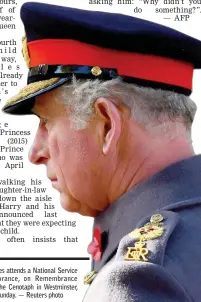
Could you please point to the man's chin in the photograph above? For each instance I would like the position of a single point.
(67, 203)
(70, 204)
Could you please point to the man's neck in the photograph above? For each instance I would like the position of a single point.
(148, 161)
(162, 157)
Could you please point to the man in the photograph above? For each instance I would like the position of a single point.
(112, 95)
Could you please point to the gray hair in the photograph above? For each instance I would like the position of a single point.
(148, 106)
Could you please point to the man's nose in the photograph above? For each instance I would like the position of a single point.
(39, 152)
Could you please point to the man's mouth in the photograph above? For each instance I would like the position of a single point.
(55, 183)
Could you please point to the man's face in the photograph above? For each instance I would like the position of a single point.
(74, 160)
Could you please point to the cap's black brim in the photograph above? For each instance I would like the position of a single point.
(24, 106)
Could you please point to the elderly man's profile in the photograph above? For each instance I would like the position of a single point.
(112, 95)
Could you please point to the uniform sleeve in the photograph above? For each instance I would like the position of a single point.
(135, 282)
(144, 282)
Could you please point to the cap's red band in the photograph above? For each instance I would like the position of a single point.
(137, 65)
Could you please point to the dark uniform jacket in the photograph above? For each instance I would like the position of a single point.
(165, 265)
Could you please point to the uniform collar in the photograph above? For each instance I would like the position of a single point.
(178, 182)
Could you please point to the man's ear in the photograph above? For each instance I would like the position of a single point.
(109, 123)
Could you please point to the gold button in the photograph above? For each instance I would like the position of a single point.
(156, 218)
(96, 71)
(89, 277)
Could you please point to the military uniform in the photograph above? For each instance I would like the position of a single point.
(146, 245)
(169, 267)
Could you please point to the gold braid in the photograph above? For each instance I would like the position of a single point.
(25, 50)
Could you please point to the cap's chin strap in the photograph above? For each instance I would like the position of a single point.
(45, 72)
